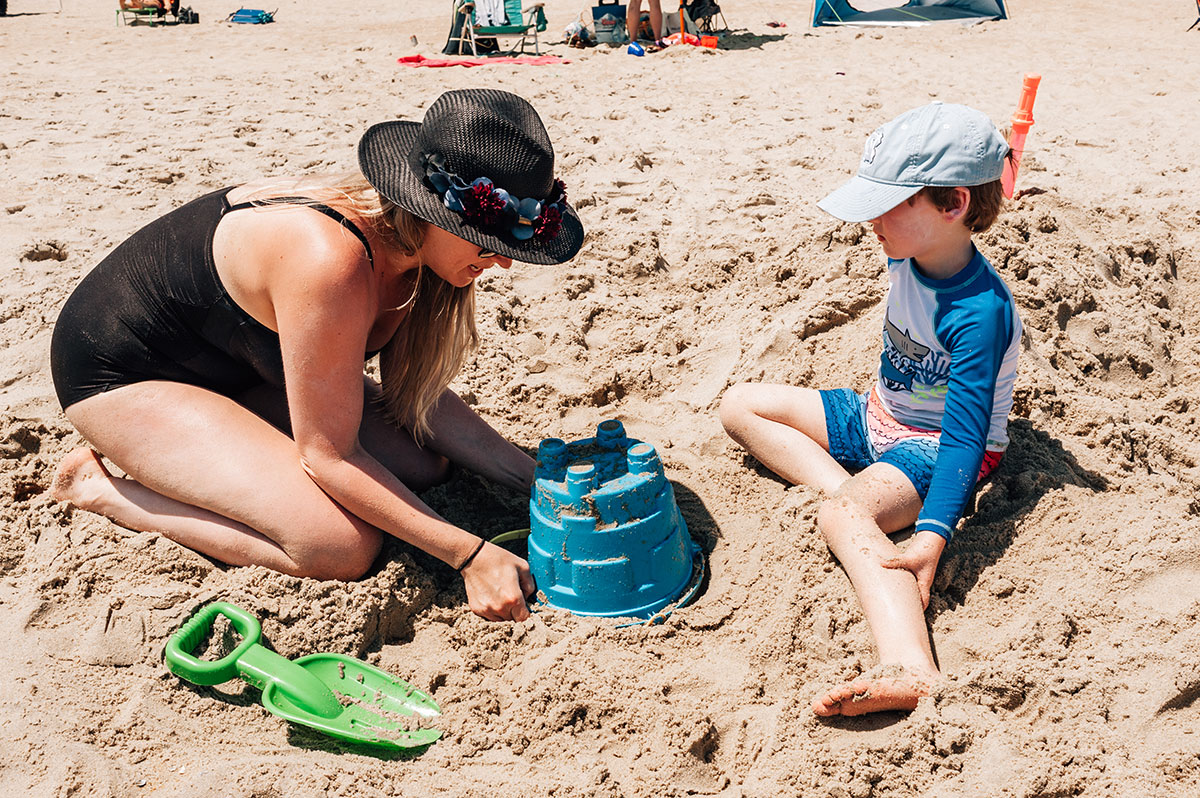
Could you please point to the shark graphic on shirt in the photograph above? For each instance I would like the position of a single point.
(901, 356)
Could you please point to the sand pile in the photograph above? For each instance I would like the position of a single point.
(1065, 614)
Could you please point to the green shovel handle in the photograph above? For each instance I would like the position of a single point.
(179, 648)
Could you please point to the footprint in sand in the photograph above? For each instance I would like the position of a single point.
(45, 250)
(1167, 593)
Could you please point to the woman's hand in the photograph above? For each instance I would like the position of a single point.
(921, 559)
(498, 582)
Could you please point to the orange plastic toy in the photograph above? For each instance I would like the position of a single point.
(1022, 120)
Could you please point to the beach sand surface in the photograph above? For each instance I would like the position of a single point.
(1065, 614)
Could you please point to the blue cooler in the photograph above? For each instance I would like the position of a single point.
(608, 18)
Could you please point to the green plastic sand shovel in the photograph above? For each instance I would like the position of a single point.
(340, 696)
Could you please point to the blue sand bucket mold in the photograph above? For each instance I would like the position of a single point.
(606, 537)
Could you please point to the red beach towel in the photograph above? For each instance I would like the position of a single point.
(422, 61)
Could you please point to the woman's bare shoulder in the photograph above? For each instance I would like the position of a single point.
(289, 253)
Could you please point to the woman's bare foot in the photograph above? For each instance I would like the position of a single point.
(890, 687)
(80, 478)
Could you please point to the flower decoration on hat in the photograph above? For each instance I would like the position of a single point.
(482, 203)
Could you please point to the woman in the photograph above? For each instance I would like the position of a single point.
(191, 352)
(161, 5)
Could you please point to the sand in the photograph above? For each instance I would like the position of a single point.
(1065, 614)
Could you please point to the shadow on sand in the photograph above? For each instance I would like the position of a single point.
(745, 40)
(1034, 465)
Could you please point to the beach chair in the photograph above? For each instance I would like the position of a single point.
(459, 40)
(707, 16)
(1197, 22)
(497, 19)
(131, 12)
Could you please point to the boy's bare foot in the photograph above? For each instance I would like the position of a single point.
(891, 687)
(80, 478)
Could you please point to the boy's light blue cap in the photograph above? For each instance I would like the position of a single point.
(934, 145)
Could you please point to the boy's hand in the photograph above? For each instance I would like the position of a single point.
(921, 559)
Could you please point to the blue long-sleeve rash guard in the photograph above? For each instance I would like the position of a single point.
(949, 363)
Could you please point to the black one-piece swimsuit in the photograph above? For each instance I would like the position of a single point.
(155, 309)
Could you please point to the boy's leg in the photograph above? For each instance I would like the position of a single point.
(854, 521)
(784, 427)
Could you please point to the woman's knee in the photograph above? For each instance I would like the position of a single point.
(439, 469)
(342, 556)
(428, 469)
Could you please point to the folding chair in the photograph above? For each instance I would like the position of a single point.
(130, 14)
(498, 19)
(706, 13)
(1197, 22)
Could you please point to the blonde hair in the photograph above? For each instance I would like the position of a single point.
(438, 334)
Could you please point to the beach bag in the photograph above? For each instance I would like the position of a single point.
(608, 19)
(251, 16)
(187, 16)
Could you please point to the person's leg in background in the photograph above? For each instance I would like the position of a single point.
(633, 16)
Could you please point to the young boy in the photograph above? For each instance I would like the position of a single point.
(935, 421)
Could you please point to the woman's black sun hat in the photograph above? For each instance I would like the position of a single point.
(479, 165)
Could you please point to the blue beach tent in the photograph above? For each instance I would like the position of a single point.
(908, 14)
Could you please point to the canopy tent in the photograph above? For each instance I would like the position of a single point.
(909, 14)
